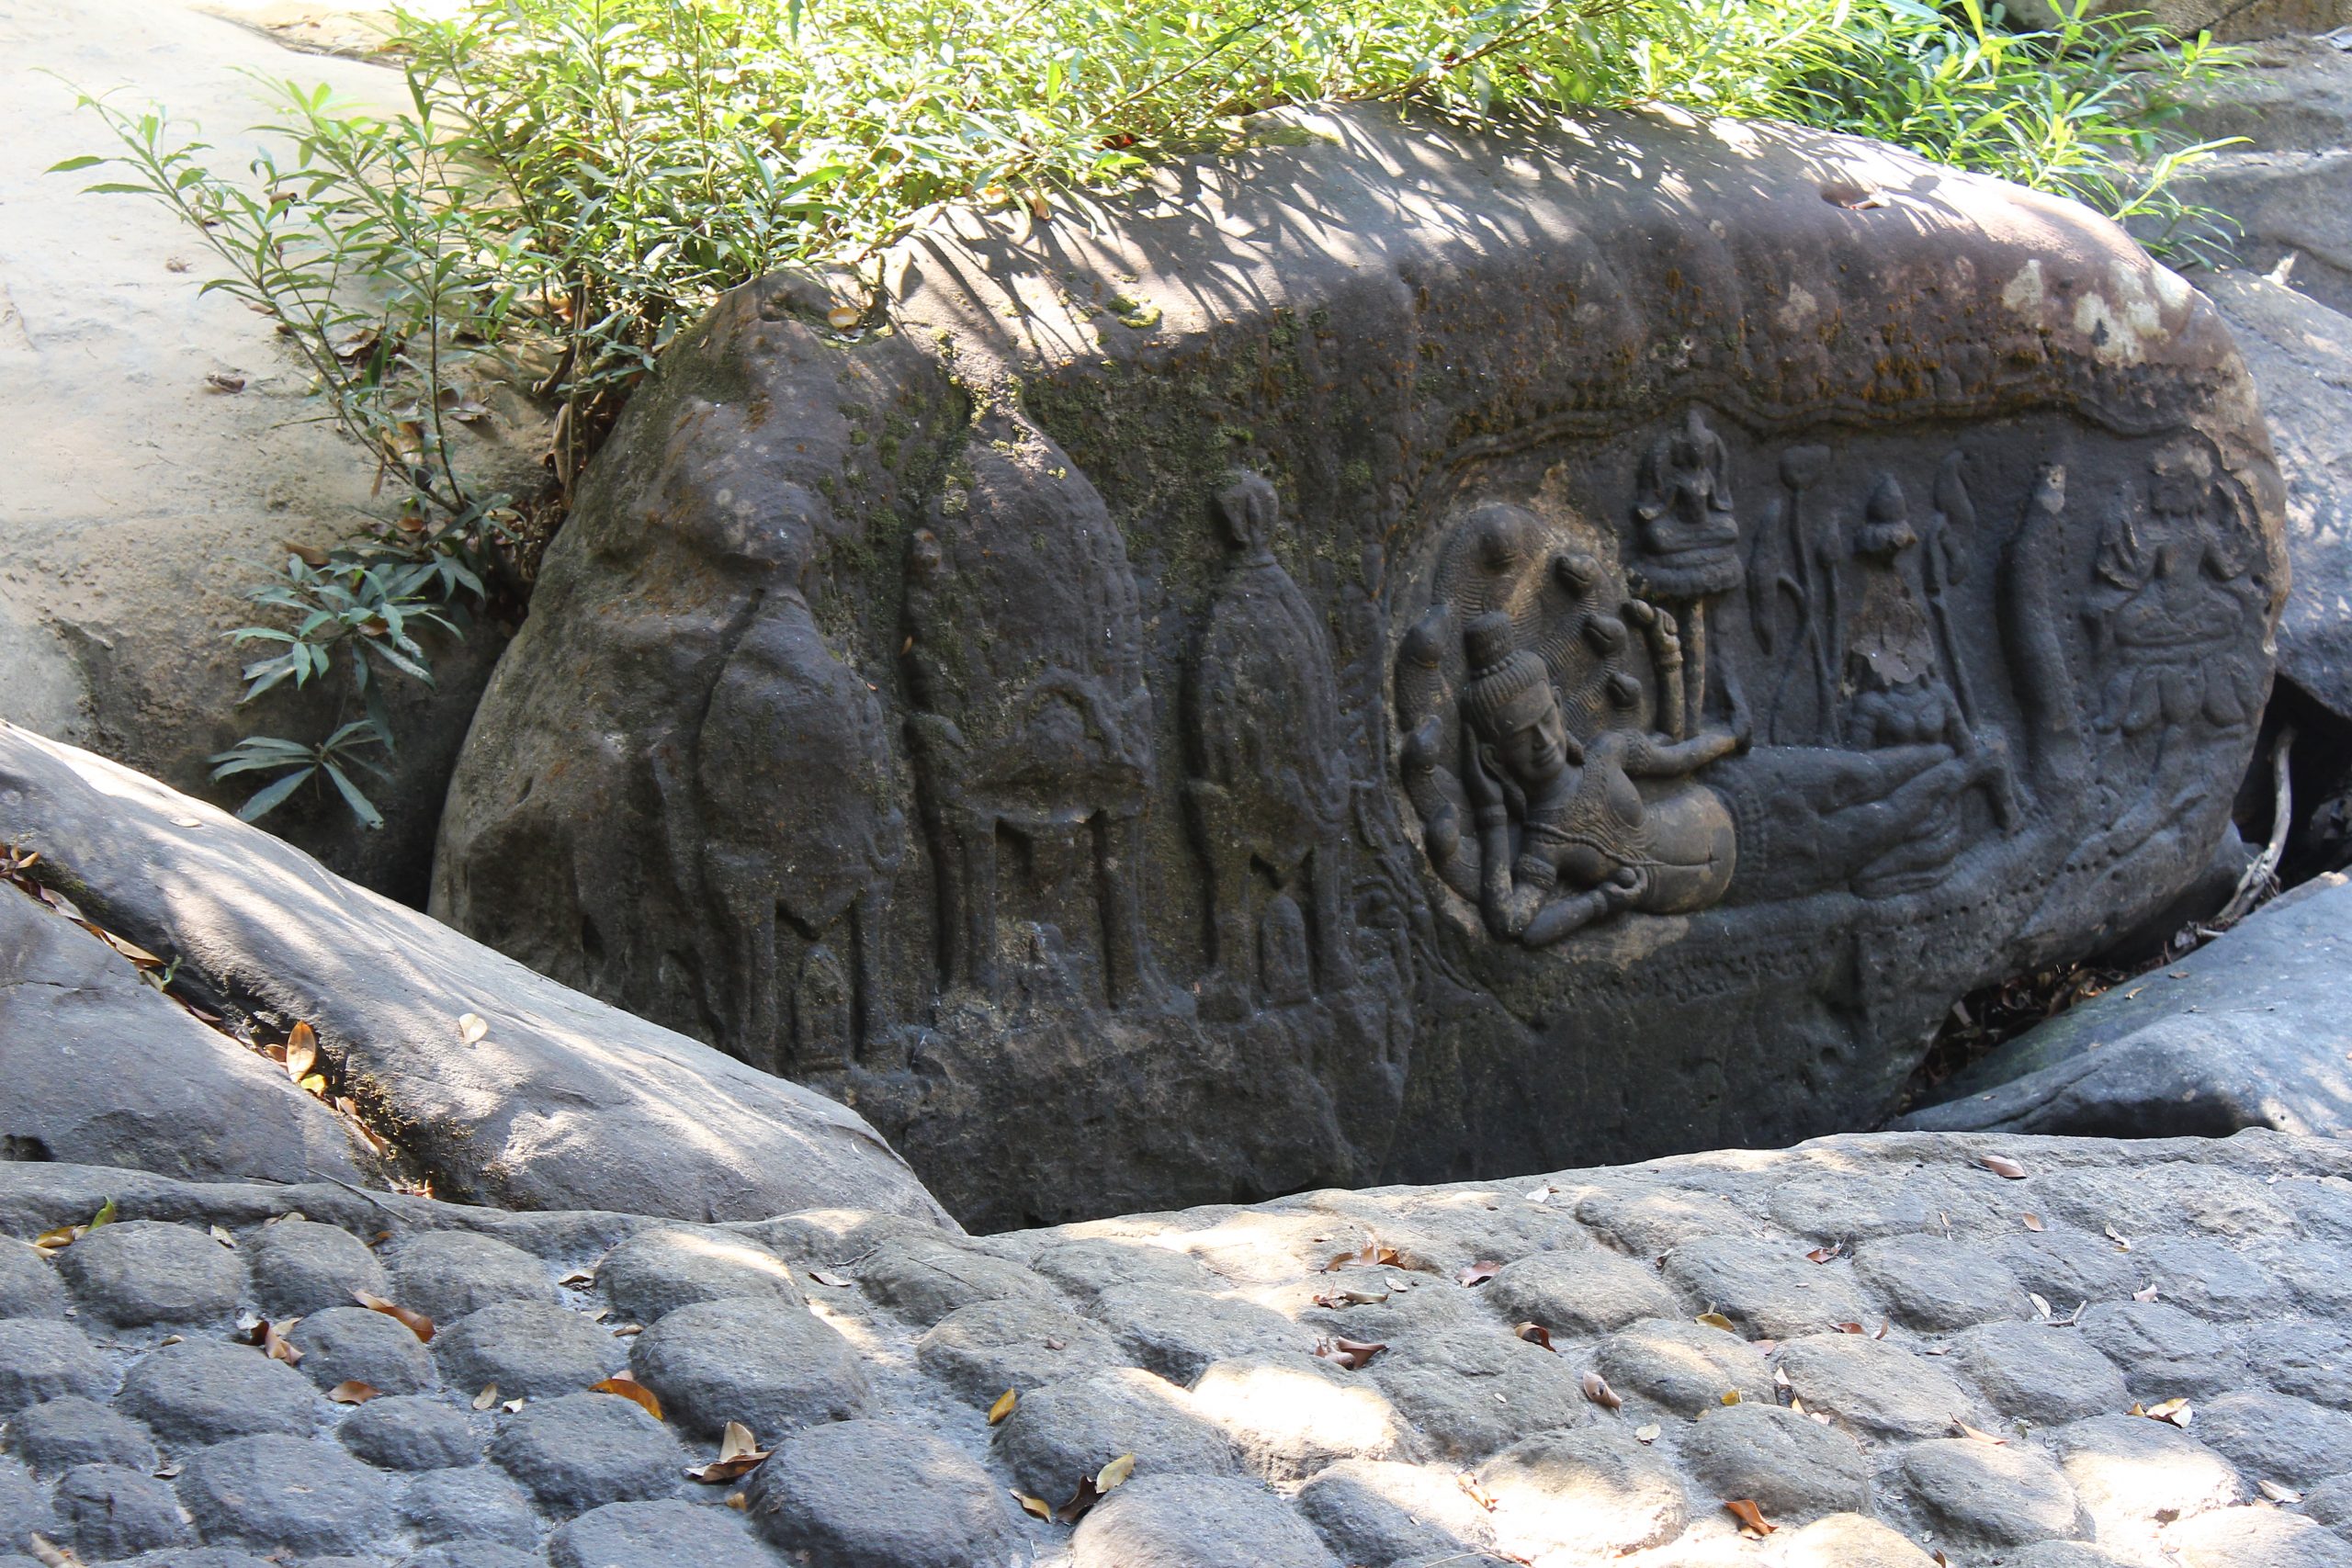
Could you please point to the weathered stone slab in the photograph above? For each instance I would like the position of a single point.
(1432, 653)
(100, 1066)
(565, 1103)
(2250, 1031)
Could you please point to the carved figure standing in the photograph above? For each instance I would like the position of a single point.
(1025, 656)
(1689, 550)
(1269, 790)
(794, 779)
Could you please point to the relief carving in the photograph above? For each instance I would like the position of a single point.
(1269, 789)
(801, 835)
(1031, 722)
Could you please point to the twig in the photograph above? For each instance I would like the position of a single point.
(2259, 875)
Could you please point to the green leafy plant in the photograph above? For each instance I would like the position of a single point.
(578, 179)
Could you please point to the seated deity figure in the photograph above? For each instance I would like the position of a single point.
(1590, 837)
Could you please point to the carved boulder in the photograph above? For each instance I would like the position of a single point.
(1399, 655)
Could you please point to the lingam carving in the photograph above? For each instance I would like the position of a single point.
(1269, 789)
(1568, 794)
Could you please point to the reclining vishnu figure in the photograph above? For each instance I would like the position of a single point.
(1570, 830)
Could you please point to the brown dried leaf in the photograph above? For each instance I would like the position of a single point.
(512, 1406)
(1824, 1253)
(223, 1238)
(1965, 1430)
(1003, 1406)
(725, 1469)
(1847, 1327)
(1647, 1432)
(2175, 1411)
(2123, 1243)
(2033, 1222)
(835, 1280)
(1035, 1507)
(1085, 1498)
(2003, 1166)
(418, 1323)
(1352, 1354)
(58, 1238)
(353, 1392)
(2278, 1494)
(274, 1343)
(1478, 1273)
(1597, 1389)
(1371, 1255)
(1751, 1517)
(1536, 1333)
(841, 318)
(1716, 1320)
(301, 1052)
(1730, 1396)
(221, 381)
(1337, 1299)
(49, 1554)
(486, 1398)
(1472, 1490)
(1883, 1324)
(1113, 1475)
(472, 1029)
(629, 1388)
(739, 1501)
(2148, 1294)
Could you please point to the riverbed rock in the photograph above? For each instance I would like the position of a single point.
(1827, 581)
(2249, 1031)
(102, 1068)
(563, 1102)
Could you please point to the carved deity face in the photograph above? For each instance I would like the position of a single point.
(1534, 751)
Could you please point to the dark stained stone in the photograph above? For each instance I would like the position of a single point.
(476, 1504)
(44, 1358)
(527, 1350)
(301, 1266)
(446, 1274)
(106, 1511)
(1067, 1429)
(61, 1433)
(982, 1349)
(2007, 1496)
(588, 1449)
(868, 1494)
(206, 1392)
(351, 1343)
(624, 1533)
(411, 1434)
(277, 1495)
(1174, 818)
(1587, 1290)
(766, 1362)
(1792, 1467)
(1686, 1367)
(139, 1271)
(2039, 1374)
(1768, 1288)
(1190, 1522)
(28, 1283)
(657, 1271)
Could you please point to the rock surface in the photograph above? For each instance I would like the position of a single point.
(142, 504)
(565, 1103)
(2249, 1031)
(1158, 629)
(2010, 1443)
(101, 1067)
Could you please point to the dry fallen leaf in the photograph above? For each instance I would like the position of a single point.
(301, 1052)
(49, 1554)
(1003, 1406)
(1597, 1389)
(2033, 1222)
(1542, 1194)
(472, 1029)
(2122, 1244)
(2040, 1303)
(1472, 1490)
(1371, 1255)
(1352, 1354)
(1751, 1517)
(2147, 1294)
(1085, 1498)
(1478, 1273)
(739, 1454)
(1965, 1430)
(1716, 1320)
(2004, 1166)
(1037, 1508)
(739, 1501)
(841, 318)
(1824, 1253)
(2278, 1494)
(1114, 1473)
(578, 1280)
(274, 1342)
(1847, 1327)
(1536, 1333)
(418, 1323)
(512, 1406)
(2175, 1411)
(221, 381)
(1337, 1299)
(835, 1280)
(1730, 1396)
(486, 1398)
(353, 1392)
(629, 1388)
(223, 1238)
(1647, 1432)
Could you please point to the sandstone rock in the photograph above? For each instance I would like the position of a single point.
(2039, 1374)
(1135, 852)
(1373, 1510)
(1792, 1468)
(1591, 1291)
(2229, 1538)
(1980, 1490)
(2248, 1030)
(1185, 1521)
(1072, 1428)
(1596, 1490)
(102, 1068)
(1851, 1540)
(1874, 1385)
(1685, 1367)
(527, 1349)
(2134, 1474)
(868, 1494)
(767, 1363)
(566, 1103)
(658, 1271)
(2226, 18)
